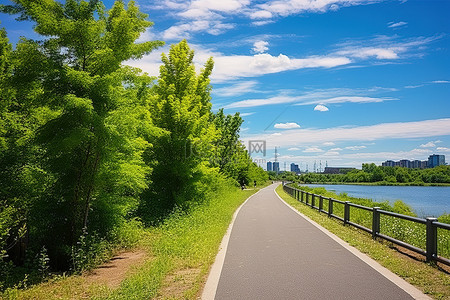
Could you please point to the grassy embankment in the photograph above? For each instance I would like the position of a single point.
(407, 231)
(179, 255)
(424, 276)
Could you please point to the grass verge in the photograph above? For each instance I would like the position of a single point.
(426, 277)
(180, 253)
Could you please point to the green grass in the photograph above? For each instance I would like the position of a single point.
(426, 277)
(180, 254)
(408, 231)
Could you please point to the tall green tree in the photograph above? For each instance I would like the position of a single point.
(181, 108)
(228, 142)
(88, 145)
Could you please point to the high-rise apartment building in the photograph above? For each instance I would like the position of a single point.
(436, 160)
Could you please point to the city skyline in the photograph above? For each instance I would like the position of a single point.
(347, 82)
(432, 161)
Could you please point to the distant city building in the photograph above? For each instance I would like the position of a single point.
(433, 161)
(337, 170)
(404, 163)
(388, 163)
(276, 166)
(436, 160)
(295, 168)
(269, 166)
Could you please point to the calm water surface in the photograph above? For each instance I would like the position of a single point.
(425, 200)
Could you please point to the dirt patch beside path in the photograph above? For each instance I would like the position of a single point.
(114, 271)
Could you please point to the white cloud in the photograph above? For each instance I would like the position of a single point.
(290, 7)
(329, 144)
(428, 145)
(443, 149)
(286, 125)
(336, 149)
(276, 134)
(185, 30)
(232, 67)
(313, 150)
(366, 52)
(331, 153)
(321, 107)
(355, 159)
(210, 8)
(246, 114)
(293, 149)
(396, 24)
(355, 148)
(414, 86)
(383, 131)
(262, 23)
(237, 89)
(385, 47)
(236, 66)
(260, 46)
(308, 99)
(261, 14)
(441, 81)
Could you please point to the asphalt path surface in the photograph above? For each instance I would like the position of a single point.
(274, 253)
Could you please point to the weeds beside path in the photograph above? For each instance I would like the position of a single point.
(178, 256)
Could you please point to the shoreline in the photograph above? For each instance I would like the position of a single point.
(379, 183)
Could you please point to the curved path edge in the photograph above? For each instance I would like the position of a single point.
(209, 291)
(394, 278)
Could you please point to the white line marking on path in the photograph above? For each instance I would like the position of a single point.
(209, 291)
(398, 281)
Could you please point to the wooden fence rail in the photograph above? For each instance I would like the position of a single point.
(431, 224)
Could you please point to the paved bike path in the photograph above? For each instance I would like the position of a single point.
(274, 253)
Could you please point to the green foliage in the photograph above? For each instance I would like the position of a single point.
(181, 108)
(74, 124)
(371, 173)
(89, 147)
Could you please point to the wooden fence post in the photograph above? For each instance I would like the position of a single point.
(375, 222)
(431, 253)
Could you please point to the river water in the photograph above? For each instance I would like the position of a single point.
(426, 201)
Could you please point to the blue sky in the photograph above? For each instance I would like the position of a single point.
(341, 82)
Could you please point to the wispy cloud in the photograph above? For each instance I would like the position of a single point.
(431, 144)
(286, 126)
(185, 30)
(401, 130)
(319, 97)
(385, 47)
(313, 150)
(441, 81)
(237, 89)
(355, 159)
(246, 114)
(289, 7)
(217, 12)
(232, 67)
(396, 24)
(355, 148)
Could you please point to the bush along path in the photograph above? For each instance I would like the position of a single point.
(178, 256)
